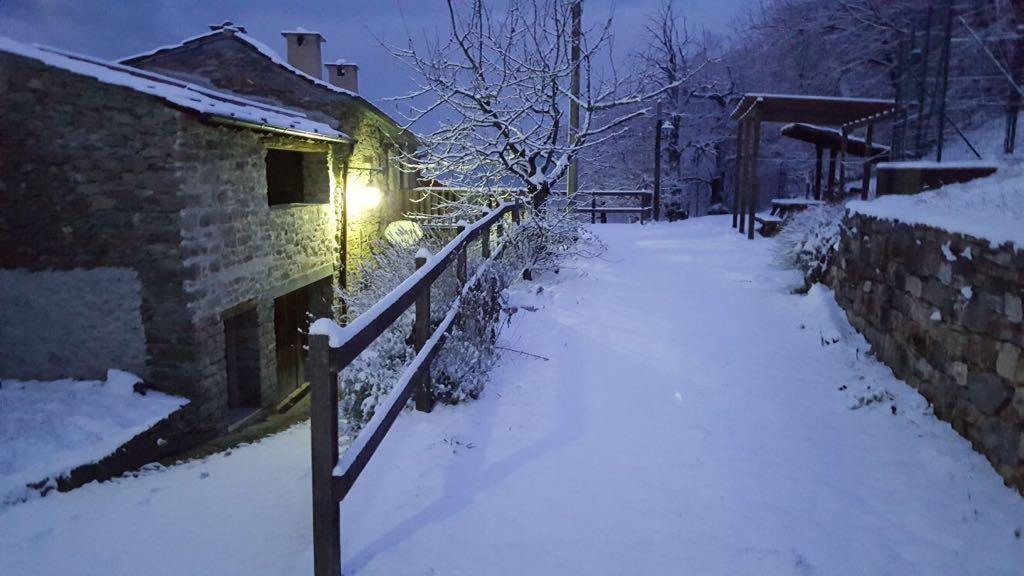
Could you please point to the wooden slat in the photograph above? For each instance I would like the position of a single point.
(618, 193)
(323, 435)
(372, 323)
(615, 210)
(366, 444)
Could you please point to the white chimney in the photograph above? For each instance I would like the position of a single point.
(344, 75)
(304, 51)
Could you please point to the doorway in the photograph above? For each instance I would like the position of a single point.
(242, 360)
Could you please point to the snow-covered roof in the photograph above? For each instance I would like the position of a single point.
(206, 102)
(831, 138)
(263, 49)
(239, 33)
(342, 62)
(823, 110)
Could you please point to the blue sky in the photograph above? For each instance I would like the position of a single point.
(117, 28)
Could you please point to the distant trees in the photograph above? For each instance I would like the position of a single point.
(501, 84)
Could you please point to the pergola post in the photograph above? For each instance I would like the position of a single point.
(738, 182)
(817, 172)
(830, 189)
(754, 179)
(844, 135)
(745, 178)
(867, 162)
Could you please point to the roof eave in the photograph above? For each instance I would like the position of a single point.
(235, 122)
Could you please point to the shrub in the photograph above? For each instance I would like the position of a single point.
(809, 239)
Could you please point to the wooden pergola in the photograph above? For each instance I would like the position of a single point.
(832, 140)
(848, 114)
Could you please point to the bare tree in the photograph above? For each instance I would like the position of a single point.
(500, 86)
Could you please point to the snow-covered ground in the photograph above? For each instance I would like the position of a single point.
(49, 428)
(693, 417)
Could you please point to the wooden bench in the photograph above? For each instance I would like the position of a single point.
(770, 224)
(643, 209)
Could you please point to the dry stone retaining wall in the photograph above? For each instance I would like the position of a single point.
(944, 311)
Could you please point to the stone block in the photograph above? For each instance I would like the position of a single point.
(987, 391)
(958, 371)
(912, 284)
(1013, 308)
(1006, 362)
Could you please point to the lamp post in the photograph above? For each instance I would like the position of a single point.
(660, 127)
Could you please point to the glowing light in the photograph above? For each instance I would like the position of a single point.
(361, 198)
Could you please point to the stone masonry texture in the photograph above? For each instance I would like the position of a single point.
(946, 321)
(228, 63)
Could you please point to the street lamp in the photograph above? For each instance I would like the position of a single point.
(660, 127)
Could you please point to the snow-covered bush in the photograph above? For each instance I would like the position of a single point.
(809, 239)
(553, 233)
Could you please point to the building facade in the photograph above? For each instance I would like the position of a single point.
(162, 228)
(227, 58)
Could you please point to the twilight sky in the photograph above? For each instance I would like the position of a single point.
(118, 28)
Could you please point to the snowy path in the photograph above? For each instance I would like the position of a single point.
(690, 421)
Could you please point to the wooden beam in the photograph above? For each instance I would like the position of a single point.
(842, 162)
(830, 193)
(323, 436)
(755, 180)
(745, 179)
(866, 183)
(817, 172)
(420, 331)
(372, 323)
(738, 181)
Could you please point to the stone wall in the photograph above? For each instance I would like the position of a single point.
(944, 311)
(88, 183)
(40, 339)
(241, 251)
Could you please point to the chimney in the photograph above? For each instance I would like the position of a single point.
(304, 51)
(344, 75)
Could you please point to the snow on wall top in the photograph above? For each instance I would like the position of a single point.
(176, 92)
(301, 30)
(49, 428)
(989, 208)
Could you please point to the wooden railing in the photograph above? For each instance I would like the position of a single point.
(332, 348)
(645, 197)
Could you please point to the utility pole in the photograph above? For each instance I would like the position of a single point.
(656, 199)
(574, 107)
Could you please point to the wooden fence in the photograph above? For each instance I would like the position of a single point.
(330, 354)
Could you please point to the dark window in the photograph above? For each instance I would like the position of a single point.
(285, 180)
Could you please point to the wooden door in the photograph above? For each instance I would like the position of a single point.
(291, 325)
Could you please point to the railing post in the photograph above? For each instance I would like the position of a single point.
(420, 330)
(460, 264)
(323, 415)
(516, 216)
(485, 243)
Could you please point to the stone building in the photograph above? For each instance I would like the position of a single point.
(227, 58)
(164, 228)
